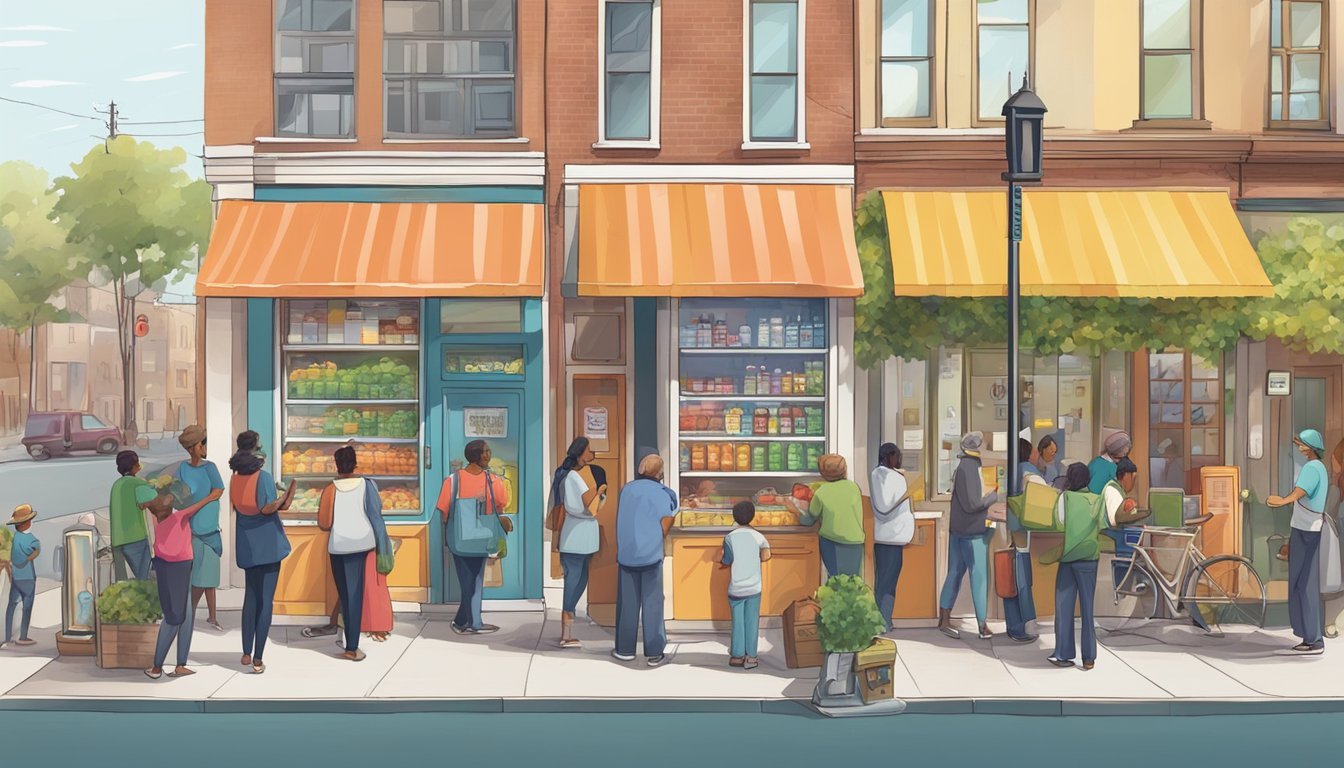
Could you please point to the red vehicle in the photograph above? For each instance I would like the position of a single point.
(64, 432)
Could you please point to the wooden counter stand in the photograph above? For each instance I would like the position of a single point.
(307, 589)
(700, 586)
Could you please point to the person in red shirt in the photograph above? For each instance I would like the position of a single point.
(475, 483)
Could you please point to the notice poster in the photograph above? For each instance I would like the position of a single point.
(595, 428)
(912, 440)
(485, 422)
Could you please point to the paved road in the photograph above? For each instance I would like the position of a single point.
(653, 741)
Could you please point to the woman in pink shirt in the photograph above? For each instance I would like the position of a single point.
(172, 566)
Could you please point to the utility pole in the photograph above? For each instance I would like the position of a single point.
(128, 320)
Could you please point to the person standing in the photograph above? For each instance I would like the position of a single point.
(351, 513)
(172, 566)
(838, 504)
(23, 552)
(1310, 491)
(1021, 609)
(744, 550)
(1048, 461)
(1102, 467)
(1334, 606)
(126, 518)
(261, 542)
(579, 534)
(968, 540)
(206, 486)
(893, 526)
(473, 484)
(644, 517)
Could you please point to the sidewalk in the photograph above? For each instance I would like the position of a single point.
(1168, 669)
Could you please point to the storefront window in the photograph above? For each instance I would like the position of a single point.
(1185, 417)
(948, 413)
(905, 420)
(481, 316)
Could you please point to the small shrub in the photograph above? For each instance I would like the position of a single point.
(130, 602)
(849, 618)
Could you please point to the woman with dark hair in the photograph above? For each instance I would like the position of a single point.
(351, 511)
(1048, 464)
(1308, 499)
(472, 490)
(261, 542)
(893, 526)
(576, 490)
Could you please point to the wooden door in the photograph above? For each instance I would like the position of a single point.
(917, 589)
(599, 414)
(699, 584)
(792, 573)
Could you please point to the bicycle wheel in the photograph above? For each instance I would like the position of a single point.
(1224, 590)
(1134, 602)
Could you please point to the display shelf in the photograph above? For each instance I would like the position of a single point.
(291, 437)
(353, 401)
(705, 473)
(767, 530)
(717, 437)
(754, 398)
(811, 351)
(327, 477)
(352, 348)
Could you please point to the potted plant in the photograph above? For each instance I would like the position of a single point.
(128, 615)
(848, 622)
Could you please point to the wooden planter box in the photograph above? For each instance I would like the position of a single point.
(126, 646)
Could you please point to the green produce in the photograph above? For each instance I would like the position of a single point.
(130, 602)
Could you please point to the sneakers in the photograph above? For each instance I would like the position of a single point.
(464, 630)
(1309, 648)
(737, 661)
(657, 661)
(621, 656)
(751, 663)
(1024, 638)
(487, 629)
(955, 634)
(1062, 663)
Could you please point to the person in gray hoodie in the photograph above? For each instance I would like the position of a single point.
(968, 542)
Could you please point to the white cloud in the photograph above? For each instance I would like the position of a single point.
(33, 28)
(21, 43)
(183, 45)
(152, 76)
(63, 128)
(42, 83)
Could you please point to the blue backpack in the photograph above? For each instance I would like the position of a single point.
(471, 530)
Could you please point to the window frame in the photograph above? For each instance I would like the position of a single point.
(655, 79)
(995, 122)
(1281, 122)
(799, 140)
(1196, 53)
(1186, 427)
(340, 78)
(931, 121)
(410, 81)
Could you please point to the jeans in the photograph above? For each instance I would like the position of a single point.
(1075, 585)
(1017, 611)
(23, 590)
(471, 580)
(576, 578)
(258, 604)
(639, 591)
(175, 599)
(888, 559)
(348, 570)
(746, 625)
(135, 556)
(967, 553)
(841, 559)
(1305, 611)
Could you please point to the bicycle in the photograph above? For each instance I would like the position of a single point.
(1166, 564)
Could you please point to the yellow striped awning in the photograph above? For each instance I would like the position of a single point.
(314, 250)
(1137, 243)
(726, 240)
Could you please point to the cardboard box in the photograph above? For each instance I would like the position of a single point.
(875, 668)
(802, 647)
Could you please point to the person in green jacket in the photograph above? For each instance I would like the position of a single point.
(838, 504)
(126, 512)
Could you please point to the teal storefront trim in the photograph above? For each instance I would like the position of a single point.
(472, 194)
(261, 379)
(454, 400)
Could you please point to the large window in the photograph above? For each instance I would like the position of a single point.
(1185, 417)
(314, 68)
(628, 71)
(449, 67)
(775, 105)
(1298, 64)
(906, 71)
(1170, 60)
(1002, 51)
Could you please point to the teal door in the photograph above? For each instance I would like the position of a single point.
(496, 416)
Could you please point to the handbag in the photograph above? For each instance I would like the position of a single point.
(1332, 569)
(473, 531)
(1038, 508)
(1005, 573)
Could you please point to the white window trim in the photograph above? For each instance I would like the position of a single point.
(655, 82)
(800, 141)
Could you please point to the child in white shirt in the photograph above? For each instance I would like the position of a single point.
(744, 549)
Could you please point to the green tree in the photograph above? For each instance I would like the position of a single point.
(1305, 262)
(35, 261)
(138, 218)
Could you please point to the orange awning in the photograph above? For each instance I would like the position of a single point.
(728, 240)
(374, 250)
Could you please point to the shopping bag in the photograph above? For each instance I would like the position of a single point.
(473, 528)
(1038, 508)
(1005, 573)
(1332, 569)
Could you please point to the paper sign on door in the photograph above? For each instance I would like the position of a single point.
(595, 427)
(485, 422)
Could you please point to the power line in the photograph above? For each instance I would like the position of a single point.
(50, 109)
(156, 135)
(160, 122)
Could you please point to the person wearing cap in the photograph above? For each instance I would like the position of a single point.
(1306, 612)
(838, 504)
(202, 477)
(1102, 467)
(23, 551)
(968, 542)
(893, 526)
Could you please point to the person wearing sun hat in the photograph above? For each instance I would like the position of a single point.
(1306, 612)
(22, 576)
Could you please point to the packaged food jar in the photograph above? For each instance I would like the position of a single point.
(720, 334)
(712, 458)
(687, 421)
(786, 421)
(698, 457)
(685, 458)
(775, 459)
(800, 383)
(777, 332)
(749, 381)
(744, 335)
(743, 457)
(763, 333)
(815, 425)
(772, 424)
(799, 421)
(758, 458)
(776, 382)
(795, 457)
(762, 380)
(732, 421)
(727, 457)
(786, 383)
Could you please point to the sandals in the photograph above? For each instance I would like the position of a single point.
(323, 631)
(182, 672)
(737, 661)
(750, 663)
(955, 634)
(355, 655)
(570, 643)
(258, 668)
(215, 623)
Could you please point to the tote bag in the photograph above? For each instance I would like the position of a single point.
(1332, 569)
(473, 531)
(1038, 508)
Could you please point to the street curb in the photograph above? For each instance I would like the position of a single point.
(783, 707)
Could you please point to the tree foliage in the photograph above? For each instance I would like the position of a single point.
(1305, 261)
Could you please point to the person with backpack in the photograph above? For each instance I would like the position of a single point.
(574, 490)
(472, 502)
(893, 526)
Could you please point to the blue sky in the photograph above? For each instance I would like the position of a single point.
(74, 55)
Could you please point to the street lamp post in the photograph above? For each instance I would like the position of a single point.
(1024, 114)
